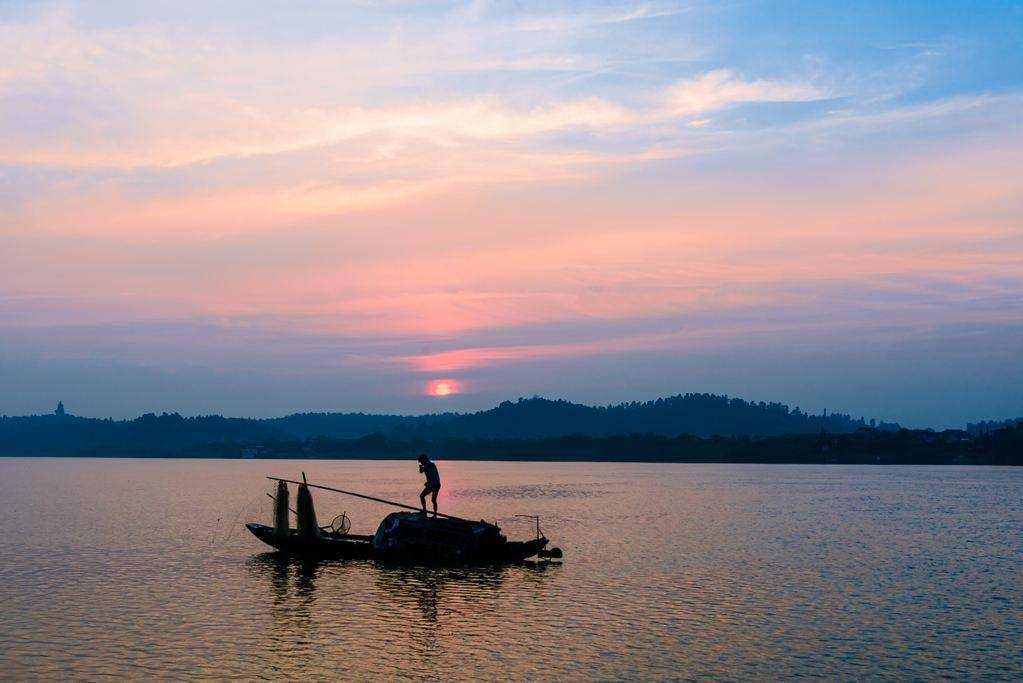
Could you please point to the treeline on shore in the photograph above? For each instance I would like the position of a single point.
(682, 428)
(866, 446)
(704, 415)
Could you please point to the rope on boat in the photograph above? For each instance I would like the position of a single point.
(229, 529)
(361, 495)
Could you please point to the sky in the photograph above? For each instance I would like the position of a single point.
(255, 209)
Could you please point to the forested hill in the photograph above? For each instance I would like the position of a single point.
(702, 415)
(349, 425)
(695, 414)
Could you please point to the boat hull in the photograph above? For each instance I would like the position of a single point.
(326, 546)
(352, 546)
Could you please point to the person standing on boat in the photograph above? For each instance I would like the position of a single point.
(427, 467)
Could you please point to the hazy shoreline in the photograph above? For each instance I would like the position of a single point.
(684, 428)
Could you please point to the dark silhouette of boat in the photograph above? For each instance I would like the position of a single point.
(401, 536)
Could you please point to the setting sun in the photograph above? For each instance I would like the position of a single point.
(443, 387)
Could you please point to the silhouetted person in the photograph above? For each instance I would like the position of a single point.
(427, 467)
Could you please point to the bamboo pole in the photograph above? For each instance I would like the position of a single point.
(274, 499)
(361, 495)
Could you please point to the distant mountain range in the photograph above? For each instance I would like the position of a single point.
(695, 414)
(700, 415)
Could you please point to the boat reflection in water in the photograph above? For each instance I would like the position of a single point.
(401, 618)
(437, 599)
(292, 581)
(292, 603)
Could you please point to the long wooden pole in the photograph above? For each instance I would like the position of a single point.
(274, 499)
(360, 495)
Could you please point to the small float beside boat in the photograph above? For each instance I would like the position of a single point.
(400, 537)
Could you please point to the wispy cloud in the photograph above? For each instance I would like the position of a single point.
(164, 95)
(722, 88)
(199, 131)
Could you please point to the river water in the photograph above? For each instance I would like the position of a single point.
(115, 568)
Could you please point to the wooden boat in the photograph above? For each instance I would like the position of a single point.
(327, 545)
(400, 537)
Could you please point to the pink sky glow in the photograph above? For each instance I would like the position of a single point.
(196, 205)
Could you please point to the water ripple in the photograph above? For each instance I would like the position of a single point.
(673, 572)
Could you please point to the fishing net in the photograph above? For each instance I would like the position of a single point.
(341, 524)
(306, 513)
(280, 519)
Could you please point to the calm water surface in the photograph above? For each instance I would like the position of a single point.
(122, 568)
